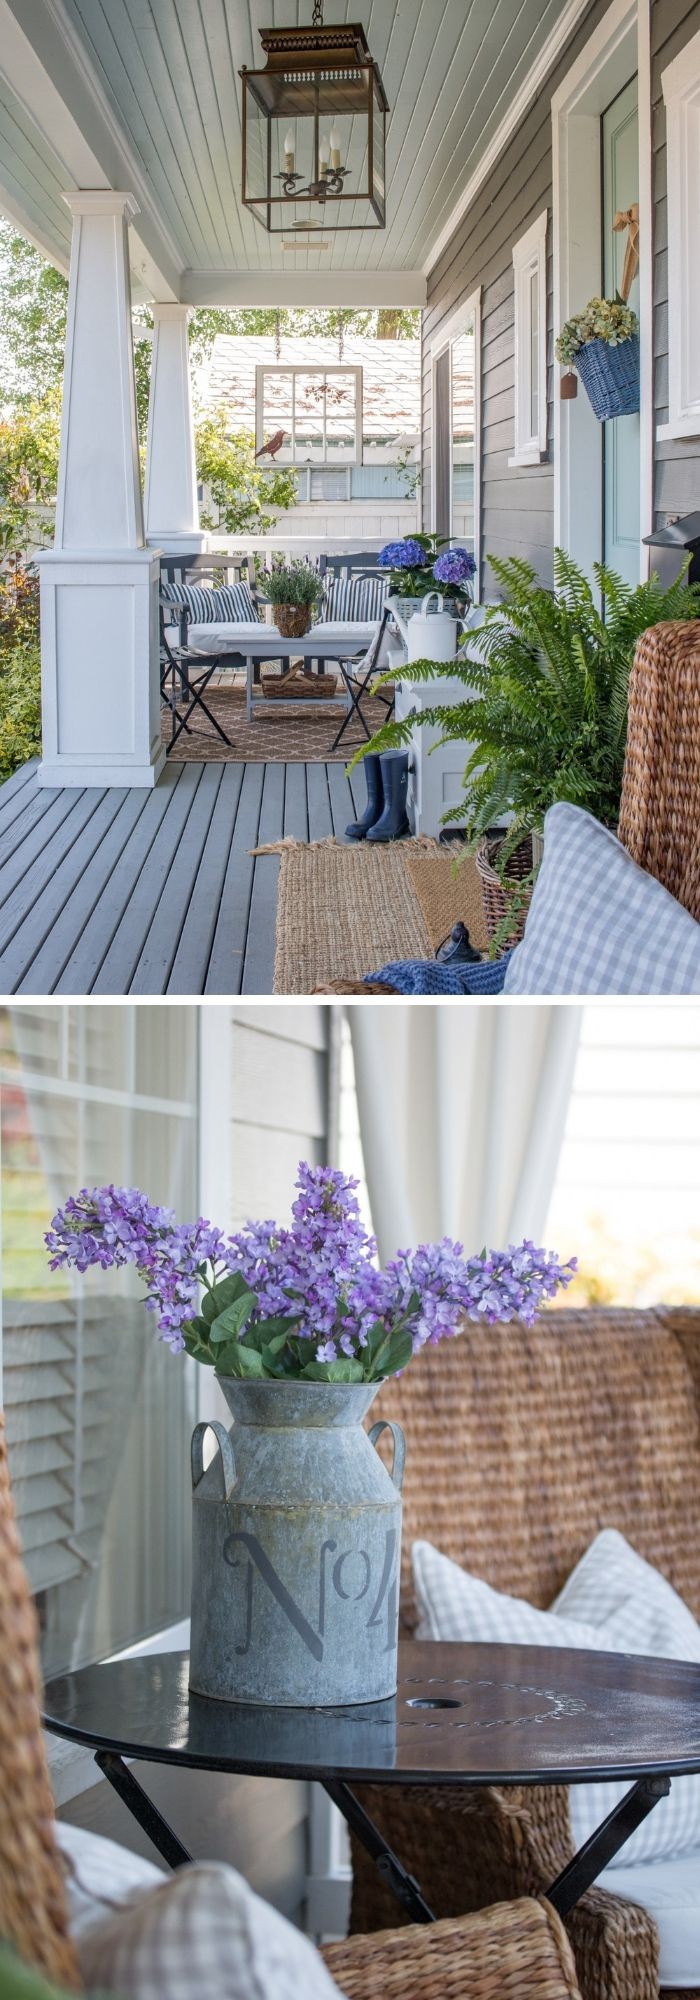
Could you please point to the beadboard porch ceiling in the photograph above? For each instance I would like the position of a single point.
(145, 95)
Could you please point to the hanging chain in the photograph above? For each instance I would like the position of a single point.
(317, 16)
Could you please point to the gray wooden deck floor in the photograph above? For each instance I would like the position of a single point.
(126, 891)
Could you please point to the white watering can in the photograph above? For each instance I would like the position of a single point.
(428, 635)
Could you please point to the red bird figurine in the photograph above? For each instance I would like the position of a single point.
(272, 446)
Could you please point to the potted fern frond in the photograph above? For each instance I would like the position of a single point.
(545, 703)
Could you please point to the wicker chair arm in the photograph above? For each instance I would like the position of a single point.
(470, 1848)
(508, 1952)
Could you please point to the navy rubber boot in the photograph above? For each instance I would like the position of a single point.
(375, 799)
(393, 823)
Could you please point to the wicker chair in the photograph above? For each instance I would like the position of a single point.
(521, 1446)
(518, 1951)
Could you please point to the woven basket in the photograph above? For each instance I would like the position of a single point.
(295, 685)
(610, 376)
(495, 892)
(293, 620)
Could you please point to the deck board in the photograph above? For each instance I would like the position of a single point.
(126, 891)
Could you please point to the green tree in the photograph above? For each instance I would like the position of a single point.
(241, 493)
(29, 446)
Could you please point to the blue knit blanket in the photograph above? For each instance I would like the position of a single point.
(424, 975)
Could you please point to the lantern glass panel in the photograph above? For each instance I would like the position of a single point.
(378, 186)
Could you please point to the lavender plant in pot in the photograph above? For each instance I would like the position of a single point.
(294, 590)
(297, 1521)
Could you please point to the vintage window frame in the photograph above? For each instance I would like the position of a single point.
(680, 84)
(265, 368)
(530, 260)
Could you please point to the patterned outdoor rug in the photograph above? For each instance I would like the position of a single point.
(291, 736)
(345, 911)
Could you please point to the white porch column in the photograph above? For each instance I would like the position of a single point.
(99, 583)
(170, 499)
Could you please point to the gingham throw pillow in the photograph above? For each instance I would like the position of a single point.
(203, 1933)
(614, 1602)
(598, 923)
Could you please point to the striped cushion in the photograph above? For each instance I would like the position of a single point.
(230, 604)
(355, 599)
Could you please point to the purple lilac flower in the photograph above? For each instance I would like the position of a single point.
(321, 1273)
(402, 555)
(454, 566)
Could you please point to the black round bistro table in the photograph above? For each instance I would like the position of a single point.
(462, 1715)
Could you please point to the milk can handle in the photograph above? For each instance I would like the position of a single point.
(227, 1461)
(399, 1458)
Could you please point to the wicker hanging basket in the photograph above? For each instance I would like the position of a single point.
(497, 892)
(610, 376)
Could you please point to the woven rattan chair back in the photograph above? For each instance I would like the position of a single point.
(523, 1444)
(32, 1905)
(660, 810)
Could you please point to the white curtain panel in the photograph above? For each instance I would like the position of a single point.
(462, 1112)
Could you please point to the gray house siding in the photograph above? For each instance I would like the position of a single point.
(677, 461)
(517, 503)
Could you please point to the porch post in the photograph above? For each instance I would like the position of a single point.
(170, 498)
(99, 583)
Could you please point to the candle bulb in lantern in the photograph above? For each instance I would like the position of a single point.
(335, 147)
(323, 151)
(289, 151)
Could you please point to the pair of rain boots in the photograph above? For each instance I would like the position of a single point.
(385, 815)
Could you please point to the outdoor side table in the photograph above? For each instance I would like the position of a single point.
(463, 1715)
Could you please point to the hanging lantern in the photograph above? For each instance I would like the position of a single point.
(314, 132)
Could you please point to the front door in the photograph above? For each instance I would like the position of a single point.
(621, 435)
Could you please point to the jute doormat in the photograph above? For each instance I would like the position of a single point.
(345, 911)
(291, 736)
(448, 891)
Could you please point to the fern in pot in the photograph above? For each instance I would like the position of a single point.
(545, 708)
(294, 590)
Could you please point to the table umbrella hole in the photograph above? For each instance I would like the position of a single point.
(432, 1701)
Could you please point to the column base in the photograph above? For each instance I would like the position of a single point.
(59, 776)
(179, 541)
(100, 669)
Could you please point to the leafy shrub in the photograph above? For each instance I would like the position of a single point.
(242, 494)
(20, 706)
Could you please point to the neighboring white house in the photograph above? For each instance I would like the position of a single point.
(350, 426)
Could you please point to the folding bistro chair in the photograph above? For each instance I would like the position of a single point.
(185, 673)
(358, 675)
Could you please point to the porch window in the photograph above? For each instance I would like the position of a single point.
(455, 471)
(530, 283)
(680, 83)
(98, 1412)
(317, 410)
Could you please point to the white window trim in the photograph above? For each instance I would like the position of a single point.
(619, 45)
(530, 260)
(265, 368)
(680, 84)
(444, 339)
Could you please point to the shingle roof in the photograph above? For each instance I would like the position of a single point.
(391, 376)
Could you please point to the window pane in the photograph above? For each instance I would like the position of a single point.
(98, 1411)
(534, 353)
(462, 524)
(310, 416)
(278, 412)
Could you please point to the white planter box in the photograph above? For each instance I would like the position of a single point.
(435, 780)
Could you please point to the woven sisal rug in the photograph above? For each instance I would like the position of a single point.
(345, 911)
(292, 736)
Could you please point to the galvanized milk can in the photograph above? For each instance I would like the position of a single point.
(296, 1549)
